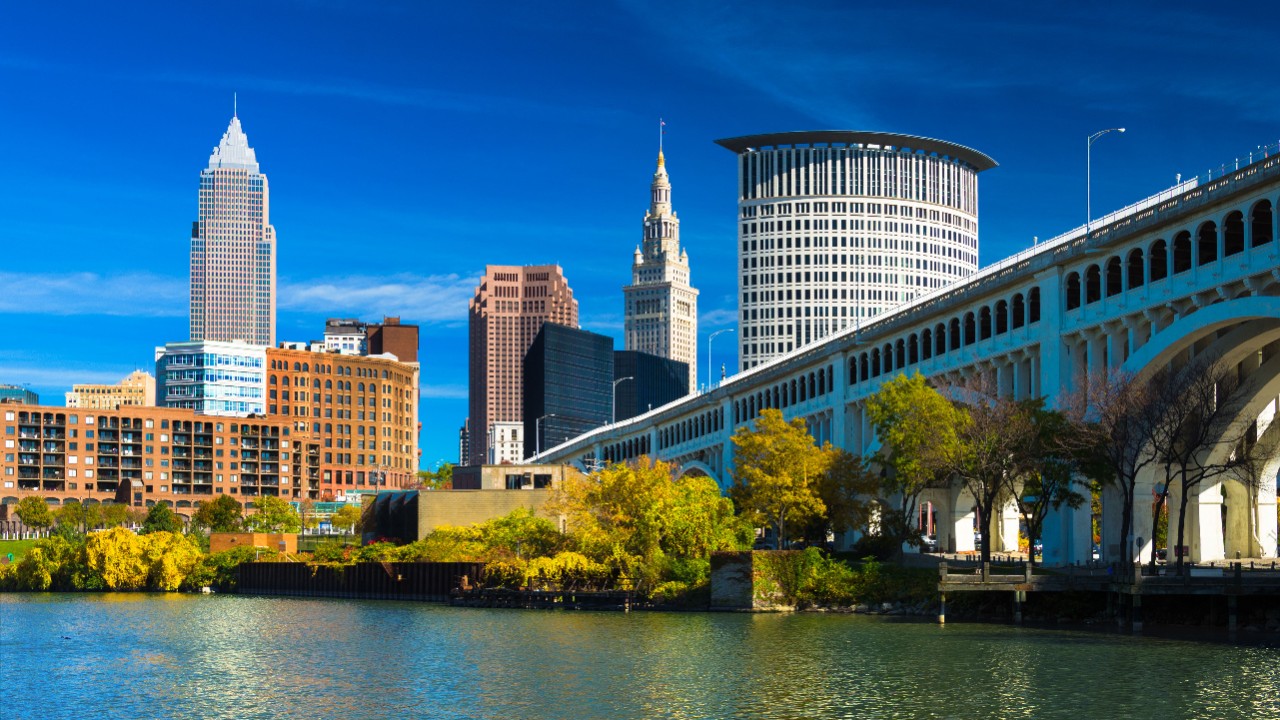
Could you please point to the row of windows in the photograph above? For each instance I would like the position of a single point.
(1154, 261)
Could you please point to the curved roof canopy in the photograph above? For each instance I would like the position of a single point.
(969, 156)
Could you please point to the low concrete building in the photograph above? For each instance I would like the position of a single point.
(481, 493)
(279, 542)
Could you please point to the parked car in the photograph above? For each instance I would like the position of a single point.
(1037, 548)
(929, 543)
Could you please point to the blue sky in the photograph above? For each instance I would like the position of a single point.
(410, 143)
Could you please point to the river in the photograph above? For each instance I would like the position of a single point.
(226, 656)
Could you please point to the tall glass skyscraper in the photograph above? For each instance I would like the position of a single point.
(233, 248)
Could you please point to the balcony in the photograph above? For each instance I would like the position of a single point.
(28, 484)
(108, 449)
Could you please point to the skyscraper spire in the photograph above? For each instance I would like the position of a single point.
(235, 104)
(661, 307)
(233, 246)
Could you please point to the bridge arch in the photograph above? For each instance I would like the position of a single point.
(695, 468)
(1188, 329)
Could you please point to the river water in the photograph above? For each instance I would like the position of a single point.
(226, 656)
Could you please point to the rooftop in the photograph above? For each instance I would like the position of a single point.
(844, 138)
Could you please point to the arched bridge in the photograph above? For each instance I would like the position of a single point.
(1195, 269)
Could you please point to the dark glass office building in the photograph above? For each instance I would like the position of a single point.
(657, 381)
(568, 377)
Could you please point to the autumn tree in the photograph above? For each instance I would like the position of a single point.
(273, 515)
(776, 471)
(347, 516)
(34, 512)
(917, 428)
(307, 513)
(221, 514)
(637, 519)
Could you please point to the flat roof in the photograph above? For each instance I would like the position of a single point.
(746, 143)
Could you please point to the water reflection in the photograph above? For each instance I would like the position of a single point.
(133, 656)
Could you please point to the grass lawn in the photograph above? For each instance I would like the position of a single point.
(17, 547)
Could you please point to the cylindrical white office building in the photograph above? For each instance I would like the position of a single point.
(837, 225)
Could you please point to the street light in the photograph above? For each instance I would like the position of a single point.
(1088, 176)
(613, 408)
(709, 363)
(537, 434)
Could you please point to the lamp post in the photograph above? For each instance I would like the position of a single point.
(709, 363)
(537, 434)
(1088, 176)
(613, 408)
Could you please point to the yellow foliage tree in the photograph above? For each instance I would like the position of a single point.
(170, 557)
(118, 557)
(777, 472)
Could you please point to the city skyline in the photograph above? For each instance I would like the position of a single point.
(422, 159)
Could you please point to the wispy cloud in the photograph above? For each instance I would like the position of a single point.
(443, 392)
(422, 299)
(718, 318)
(87, 293)
(53, 377)
(430, 299)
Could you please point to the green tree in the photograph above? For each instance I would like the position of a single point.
(996, 438)
(273, 515)
(440, 479)
(1053, 475)
(346, 518)
(776, 473)
(34, 512)
(74, 519)
(917, 428)
(221, 514)
(848, 490)
(113, 514)
(161, 519)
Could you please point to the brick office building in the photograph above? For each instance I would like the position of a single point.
(359, 412)
(510, 305)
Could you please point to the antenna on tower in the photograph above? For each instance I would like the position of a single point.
(662, 130)
(235, 104)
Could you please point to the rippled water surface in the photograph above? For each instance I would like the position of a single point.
(182, 656)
